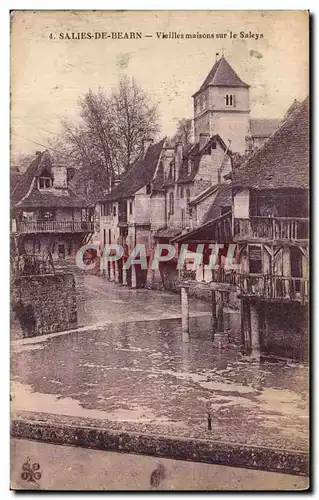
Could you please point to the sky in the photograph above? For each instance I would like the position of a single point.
(48, 74)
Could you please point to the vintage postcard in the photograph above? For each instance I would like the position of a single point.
(159, 250)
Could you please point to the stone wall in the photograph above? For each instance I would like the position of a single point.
(44, 303)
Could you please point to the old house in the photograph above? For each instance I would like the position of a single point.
(127, 215)
(270, 227)
(48, 217)
(193, 170)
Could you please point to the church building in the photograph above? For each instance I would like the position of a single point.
(222, 106)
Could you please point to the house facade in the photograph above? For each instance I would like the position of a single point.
(127, 214)
(47, 216)
(270, 228)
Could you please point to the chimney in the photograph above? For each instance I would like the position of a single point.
(203, 140)
(146, 144)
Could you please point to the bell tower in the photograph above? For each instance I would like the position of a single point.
(221, 106)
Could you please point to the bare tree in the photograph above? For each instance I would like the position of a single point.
(184, 132)
(109, 136)
(112, 129)
(135, 118)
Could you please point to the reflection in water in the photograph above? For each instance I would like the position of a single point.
(142, 372)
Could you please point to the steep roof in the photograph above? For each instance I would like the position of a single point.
(195, 154)
(222, 75)
(24, 183)
(283, 161)
(27, 195)
(292, 108)
(222, 199)
(263, 128)
(60, 198)
(208, 232)
(167, 232)
(15, 176)
(140, 174)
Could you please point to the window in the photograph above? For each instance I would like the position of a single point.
(189, 167)
(255, 259)
(110, 236)
(182, 192)
(114, 210)
(230, 100)
(27, 216)
(106, 209)
(104, 237)
(45, 182)
(188, 194)
(214, 145)
(131, 207)
(47, 215)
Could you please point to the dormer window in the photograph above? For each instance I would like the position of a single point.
(230, 100)
(45, 182)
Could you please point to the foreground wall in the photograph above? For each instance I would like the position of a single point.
(44, 303)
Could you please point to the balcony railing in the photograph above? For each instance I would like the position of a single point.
(54, 226)
(265, 287)
(274, 228)
(220, 275)
(275, 287)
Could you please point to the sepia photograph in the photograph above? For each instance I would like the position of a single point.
(159, 250)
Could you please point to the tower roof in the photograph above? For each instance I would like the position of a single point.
(222, 75)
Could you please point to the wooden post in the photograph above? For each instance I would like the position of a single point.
(112, 272)
(107, 270)
(116, 272)
(214, 319)
(219, 312)
(185, 312)
(124, 276)
(133, 276)
(254, 332)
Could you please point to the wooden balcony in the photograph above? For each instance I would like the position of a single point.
(271, 228)
(267, 287)
(54, 226)
(275, 288)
